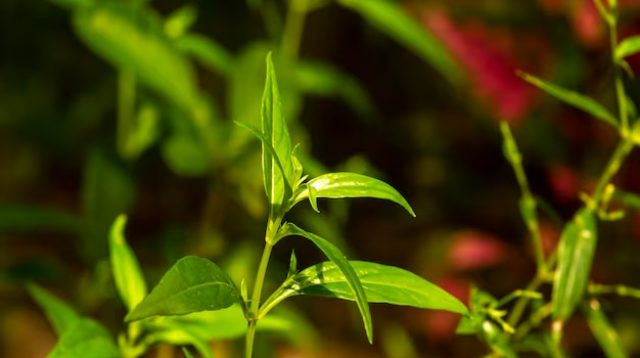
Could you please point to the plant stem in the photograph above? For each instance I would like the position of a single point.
(293, 28)
(619, 86)
(126, 108)
(522, 302)
(620, 290)
(622, 151)
(254, 307)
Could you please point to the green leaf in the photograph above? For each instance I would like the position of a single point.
(186, 353)
(124, 264)
(629, 46)
(23, 218)
(135, 40)
(179, 336)
(179, 21)
(108, 190)
(61, 315)
(605, 334)
(381, 284)
(322, 79)
(206, 51)
(193, 284)
(337, 257)
(83, 337)
(274, 128)
(350, 185)
(186, 155)
(575, 256)
(497, 340)
(572, 98)
(389, 17)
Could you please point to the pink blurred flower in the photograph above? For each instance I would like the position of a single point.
(471, 249)
(491, 71)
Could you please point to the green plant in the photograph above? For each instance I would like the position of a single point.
(514, 323)
(196, 301)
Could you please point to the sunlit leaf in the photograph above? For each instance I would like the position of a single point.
(179, 21)
(575, 256)
(602, 330)
(324, 80)
(124, 264)
(350, 185)
(574, 99)
(628, 47)
(277, 182)
(206, 51)
(389, 17)
(381, 284)
(337, 257)
(60, 315)
(85, 337)
(126, 39)
(193, 284)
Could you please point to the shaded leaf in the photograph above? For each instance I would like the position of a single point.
(127, 40)
(84, 337)
(22, 218)
(193, 284)
(337, 257)
(206, 51)
(389, 17)
(381, 284)
(572, 98)
(124, 264)
(324, 80)
(602, 330)
(179, 21)
(575, 256)
(60, 315)
(350, 185)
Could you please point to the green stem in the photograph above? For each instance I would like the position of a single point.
(522, 302)
(126, 109)
(619, 86)
(254, 307)
(620, 290)
(622, 151)
(293, 28)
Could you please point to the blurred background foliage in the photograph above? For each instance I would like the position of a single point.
(128, 106)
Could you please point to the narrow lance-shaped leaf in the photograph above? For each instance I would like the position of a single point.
(61, 315)
(323, 80)
(390, 18)
(206, 51)
(628, 47)
(572, 98)
(602, 330)
(85, 337)
(193, 284)
(337, 257)
(124, 264)
(575, 256)
(381, 284)
(350, 185)
(274, 129)
(134, 40)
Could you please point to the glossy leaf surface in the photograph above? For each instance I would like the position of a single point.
(124, 264)
(575, 256)
(276, 133)
(60, 315)
(193, 284)
(337, 257)
(602, 330)
(351, 185)
(85, 337)
(381, 284)
(574, 99)
(389, 17)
